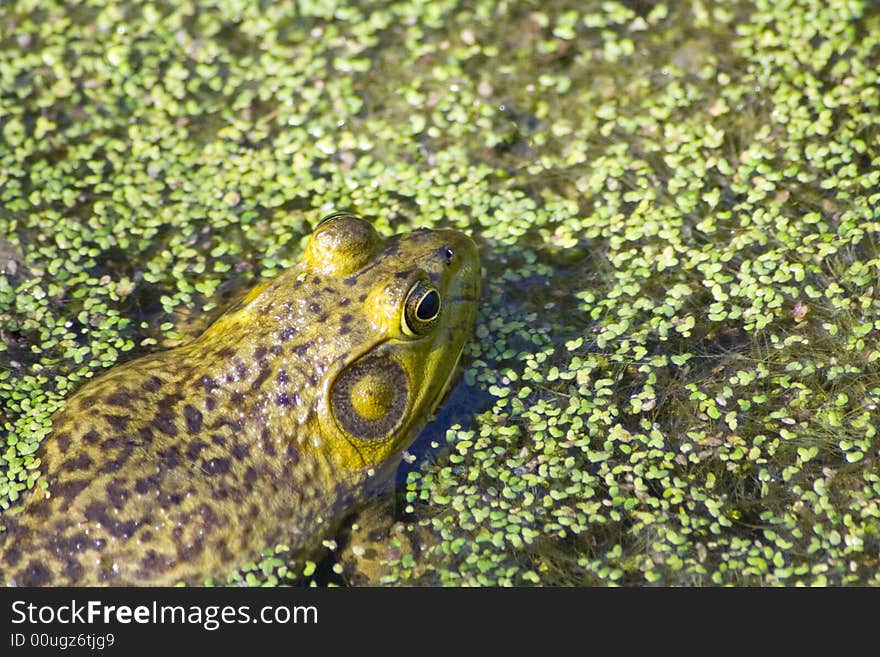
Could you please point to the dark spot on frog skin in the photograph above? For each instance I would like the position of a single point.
(146, 435)
(190, 552)
(40, 511)
(250, 477)
(167, 500)
(81, 462)
(267, 444)
(13, 554)
(351, 280)
(87, 401)
(121, 398)
(282, 377)
(240, 451)
(222, 548)
(235, 425)
(195, 447)
(283, 399)
(170, 457)
(193, 417)
(152, 564)
(152, 384)
(71, 544)
(146, 484)
(210, 403)
(215, 466)
(73, 569)
(346, 318)
(63, 442)
(117, 422)
(68, 490)
(344, 302)
(226, 353)
(315, 308)
(209, 384)
(118, 492)
(164, 421)
(97, 512)
(292, 454)
(208, 516)
(119, 461)
(126, 529)
(261, 377)
(260, 354)
(301, 349)
(344, 330)
(217, 439)
(286, 333)
(36, 574)
(91, 437)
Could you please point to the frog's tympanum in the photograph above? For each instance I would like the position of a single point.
(184, 465)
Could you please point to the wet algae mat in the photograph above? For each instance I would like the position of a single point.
(674, 375)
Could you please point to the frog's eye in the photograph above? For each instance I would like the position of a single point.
(421, 310)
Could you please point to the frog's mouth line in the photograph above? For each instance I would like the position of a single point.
(447, 386)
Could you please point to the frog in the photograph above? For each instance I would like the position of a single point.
(181, 466)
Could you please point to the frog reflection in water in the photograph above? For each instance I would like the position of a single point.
(184, 465)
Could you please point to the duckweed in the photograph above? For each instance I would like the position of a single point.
(674, 375)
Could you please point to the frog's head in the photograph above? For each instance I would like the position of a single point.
(413, 301)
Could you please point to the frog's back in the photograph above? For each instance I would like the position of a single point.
(181, 490)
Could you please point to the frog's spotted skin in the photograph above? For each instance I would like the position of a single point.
(184, 465)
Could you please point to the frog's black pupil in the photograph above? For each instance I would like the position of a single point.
(429, 306)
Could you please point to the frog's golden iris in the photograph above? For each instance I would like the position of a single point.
(184, 465)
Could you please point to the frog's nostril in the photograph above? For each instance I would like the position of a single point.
(447, 255)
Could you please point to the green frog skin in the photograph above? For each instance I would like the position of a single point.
(184, 465)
